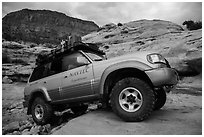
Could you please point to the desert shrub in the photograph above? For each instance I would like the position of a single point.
(5, 58)
(120, 24)
(191, 25)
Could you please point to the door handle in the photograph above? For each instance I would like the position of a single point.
(65, 76)
(44, 82)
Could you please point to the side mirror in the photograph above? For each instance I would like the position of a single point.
(82, 61)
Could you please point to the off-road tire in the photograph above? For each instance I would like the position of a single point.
(147, 104)
(160, 99)
(79, 110)
(47, 111)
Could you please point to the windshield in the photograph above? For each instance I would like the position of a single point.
(94, 56)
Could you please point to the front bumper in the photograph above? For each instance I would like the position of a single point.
(163, 77)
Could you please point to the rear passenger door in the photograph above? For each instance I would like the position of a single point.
(77, 76)
(52, 79)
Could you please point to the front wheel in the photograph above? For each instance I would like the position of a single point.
(41, 111)
(132, 99)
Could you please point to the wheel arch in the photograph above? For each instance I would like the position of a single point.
(38, 93)
(118, 74)
(137, 65)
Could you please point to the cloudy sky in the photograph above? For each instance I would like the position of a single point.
(102, 13)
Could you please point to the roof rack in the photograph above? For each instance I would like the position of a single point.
(62, 50)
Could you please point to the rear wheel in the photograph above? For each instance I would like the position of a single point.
(160, 99)
(132, 99)
(79, 110)
(41, 111)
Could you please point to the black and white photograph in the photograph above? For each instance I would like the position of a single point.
(101, 68)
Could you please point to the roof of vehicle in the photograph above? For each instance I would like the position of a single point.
(59, 52)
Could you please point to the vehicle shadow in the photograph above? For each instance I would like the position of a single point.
(61, 118)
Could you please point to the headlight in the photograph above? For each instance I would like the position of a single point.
(156, 58)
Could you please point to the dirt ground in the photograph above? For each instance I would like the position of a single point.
(181, 115)
(12, 106)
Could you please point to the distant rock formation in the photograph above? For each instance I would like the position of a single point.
(43, 26)
(183, 49)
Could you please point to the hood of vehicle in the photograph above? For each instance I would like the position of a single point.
(140, 56)
(136, 56)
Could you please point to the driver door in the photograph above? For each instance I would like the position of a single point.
(77, 76)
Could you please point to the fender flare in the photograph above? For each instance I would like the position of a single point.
(42, 90)
(39, 90)
(127, 64)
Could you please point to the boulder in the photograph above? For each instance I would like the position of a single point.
(44, 130)
(28, 125)
(26, 132)
(16, 133)
(35, 130)
(6, 80)
(48, 128)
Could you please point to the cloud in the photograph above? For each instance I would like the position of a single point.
(103, 13)
(107, 12)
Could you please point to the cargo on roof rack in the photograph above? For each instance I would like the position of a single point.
(65, 48)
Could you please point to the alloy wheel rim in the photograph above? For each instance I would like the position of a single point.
(39, 111)
(130, 99)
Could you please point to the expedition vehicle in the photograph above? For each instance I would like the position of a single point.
(132, 85)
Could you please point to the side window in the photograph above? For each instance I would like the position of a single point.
(73, 61)
(37, 73)
(55, 66)
(59, 65)
(46, 70)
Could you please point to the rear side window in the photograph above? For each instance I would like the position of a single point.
(37, 73)
(46, 70)
(58, 65)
